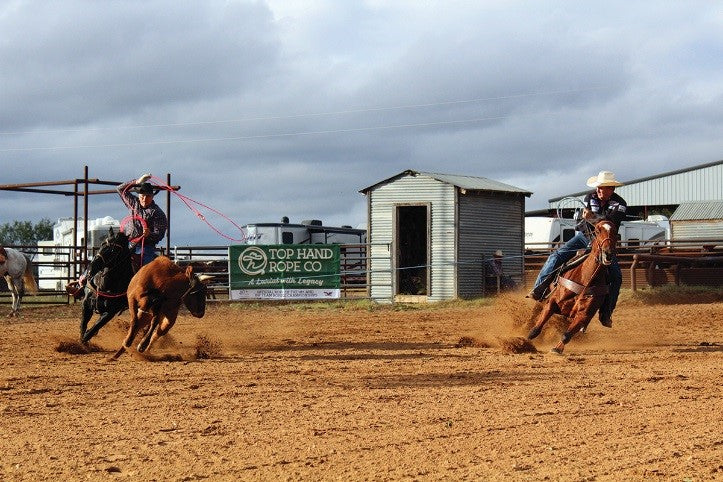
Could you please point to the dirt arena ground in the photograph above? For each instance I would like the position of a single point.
(354, 392)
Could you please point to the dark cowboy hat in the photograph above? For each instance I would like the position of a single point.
(146, 188)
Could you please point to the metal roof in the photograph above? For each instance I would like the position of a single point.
(629, 184)
(470, 183)
(704, 210)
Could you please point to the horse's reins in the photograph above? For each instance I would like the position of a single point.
(119, 259)
(581, 289)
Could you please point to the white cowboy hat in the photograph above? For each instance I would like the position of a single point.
(499, 254)
(604, 178)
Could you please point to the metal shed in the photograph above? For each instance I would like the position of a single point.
(698, 221)
(430, 233)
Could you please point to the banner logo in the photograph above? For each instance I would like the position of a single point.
(253, 261)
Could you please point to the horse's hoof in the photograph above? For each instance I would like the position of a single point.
(556, 351)
(534, 332)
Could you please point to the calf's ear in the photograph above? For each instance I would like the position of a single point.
(189, 271)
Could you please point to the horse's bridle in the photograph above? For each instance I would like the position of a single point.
(116, 247)
(601, 244)
(583, 289)
(118, 258)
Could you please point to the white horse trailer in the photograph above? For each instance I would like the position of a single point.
(55, 256)
(307, 232)
(544, 232)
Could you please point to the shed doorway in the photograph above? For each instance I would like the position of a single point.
(412, 236)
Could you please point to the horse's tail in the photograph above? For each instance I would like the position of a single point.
(29, 279)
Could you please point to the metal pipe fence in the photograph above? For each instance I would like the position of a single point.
(670, 261)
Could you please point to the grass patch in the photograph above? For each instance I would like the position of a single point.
(672, 295)
(360, 304)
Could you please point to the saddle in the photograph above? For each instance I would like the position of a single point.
(579, 289)
(544, 288)
(104, 296)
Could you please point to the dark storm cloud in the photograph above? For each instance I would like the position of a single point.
(266, 109)
(83, 62)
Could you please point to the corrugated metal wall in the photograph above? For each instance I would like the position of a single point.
(412, 190)
(697, 229)
(704, 210)
(488, 222)
(696, 185)
(700, 184)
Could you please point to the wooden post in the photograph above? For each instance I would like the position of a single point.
(633, 276)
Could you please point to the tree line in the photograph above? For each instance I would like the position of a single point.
(25, 233)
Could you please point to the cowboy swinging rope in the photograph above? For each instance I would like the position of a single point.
(191, 204)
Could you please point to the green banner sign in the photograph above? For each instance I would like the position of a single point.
(284, 271)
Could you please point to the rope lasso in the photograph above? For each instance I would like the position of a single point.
(134, 217)
(191, 203)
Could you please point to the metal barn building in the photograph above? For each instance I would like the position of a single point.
(664, 192)
(698, 221)
(429, 234)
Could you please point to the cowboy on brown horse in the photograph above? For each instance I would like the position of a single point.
(579, 292)
(603, 203)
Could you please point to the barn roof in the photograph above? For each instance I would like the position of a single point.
(698, 211)
(629, 185)
(470, 183)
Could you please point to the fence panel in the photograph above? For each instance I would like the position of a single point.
(676, 262)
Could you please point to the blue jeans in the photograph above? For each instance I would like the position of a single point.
(149, 253)
(141, 258)
(566, 252)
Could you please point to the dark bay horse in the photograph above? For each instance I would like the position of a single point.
(579, 292)
(18, 273)
(107, 282)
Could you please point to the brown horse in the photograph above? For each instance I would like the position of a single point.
(579, 294)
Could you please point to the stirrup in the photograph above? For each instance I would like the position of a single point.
(534, 295)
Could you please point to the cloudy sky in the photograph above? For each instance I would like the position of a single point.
(261, 109)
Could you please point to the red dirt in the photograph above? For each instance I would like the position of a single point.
(290, 392)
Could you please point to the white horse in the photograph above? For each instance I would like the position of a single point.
(18, 273)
